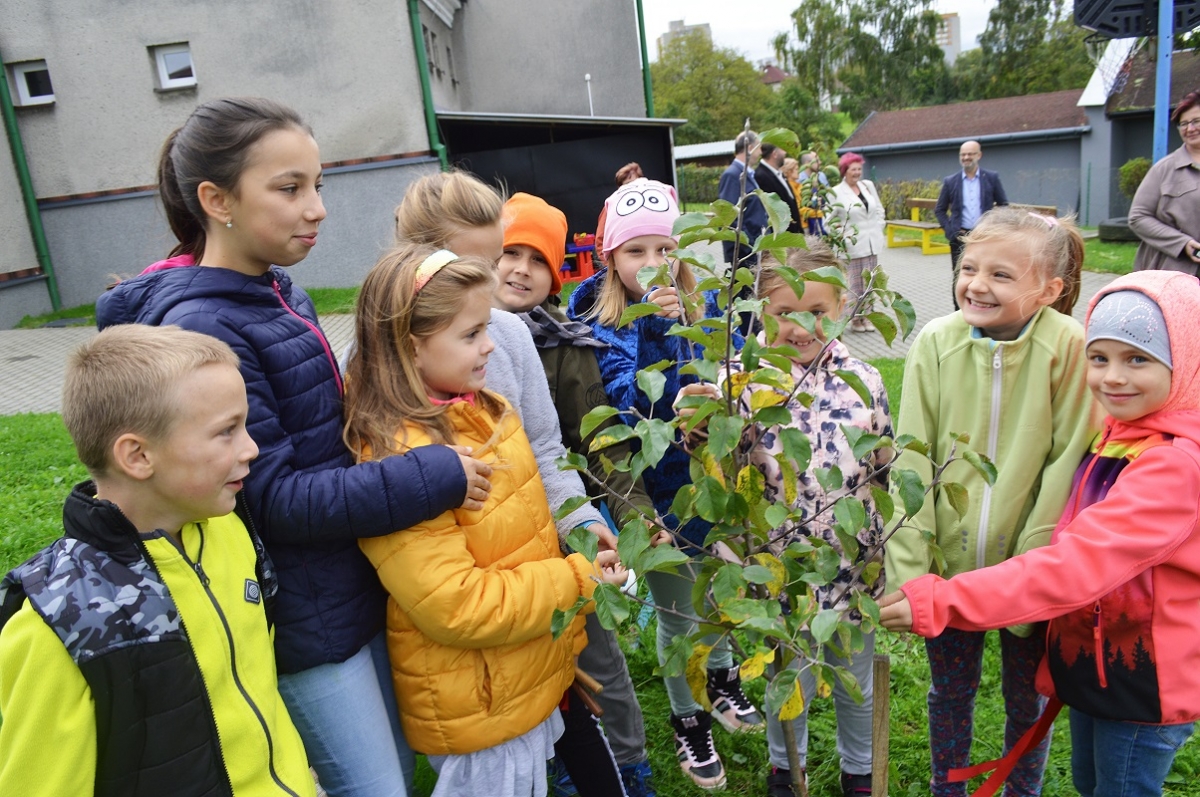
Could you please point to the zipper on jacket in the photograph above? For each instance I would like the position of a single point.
(985, 510)
(337, 375)
(1098, 640)
(262, 721)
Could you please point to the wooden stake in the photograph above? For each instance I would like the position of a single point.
(881, 716)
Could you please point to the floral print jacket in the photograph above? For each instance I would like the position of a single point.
(835, 404)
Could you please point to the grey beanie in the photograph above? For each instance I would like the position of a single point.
(1133, 318)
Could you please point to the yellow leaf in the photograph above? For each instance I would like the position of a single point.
(754, 666)
(794, 706)
(750, 483)
(824, 688)
(790, 480)
(697, 675)
(737, 383)
(712, 467)
(772, 563)
(764, 398)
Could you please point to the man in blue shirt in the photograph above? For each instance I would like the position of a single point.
(966, 196)
(754, 217)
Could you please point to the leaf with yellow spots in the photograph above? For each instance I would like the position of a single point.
(697, 675)
(712, 467)
(785, 699)
(765, 398)
(790, 481)
(772, 563)
(738, 382)
(794, 706)
(753, 667)
(750, 484)
(824, 685)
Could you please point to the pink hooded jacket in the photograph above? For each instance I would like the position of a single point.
(1120, 582)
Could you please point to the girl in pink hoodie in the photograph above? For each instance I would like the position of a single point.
(1120, 583)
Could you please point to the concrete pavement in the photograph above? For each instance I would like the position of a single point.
(32, 361)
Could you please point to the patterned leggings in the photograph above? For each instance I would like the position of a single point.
(955, 663)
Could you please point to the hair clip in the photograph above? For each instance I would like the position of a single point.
(431, 266)
(1051, 221)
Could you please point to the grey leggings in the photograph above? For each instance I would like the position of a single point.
(674, 591)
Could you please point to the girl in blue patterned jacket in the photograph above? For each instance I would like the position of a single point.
(638, 235)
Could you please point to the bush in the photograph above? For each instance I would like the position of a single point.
(893, 193)
(698, 183)
(1132, 174)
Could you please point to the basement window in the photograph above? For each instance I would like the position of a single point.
(173, 63)
(32, 82)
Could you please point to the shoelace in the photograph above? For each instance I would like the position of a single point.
(737, 698)
(689, 738)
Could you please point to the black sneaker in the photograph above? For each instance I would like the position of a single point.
(694, 748)
(779, 782)
(856, 785)
(731, 707)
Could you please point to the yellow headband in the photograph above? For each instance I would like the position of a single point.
(431, 266)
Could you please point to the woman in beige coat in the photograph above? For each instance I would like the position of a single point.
(1166, 209)
(857, 210)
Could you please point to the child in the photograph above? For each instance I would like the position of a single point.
(1121, 581)
(457, 211)
(135, 656)
(834, 404)
(637, 234)
(1008, 370)
(478, 674)
(240, 182)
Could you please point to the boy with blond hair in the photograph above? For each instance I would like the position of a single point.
(135, 650)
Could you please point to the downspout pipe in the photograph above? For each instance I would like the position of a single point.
(646, 86)
(435, 141)
(25, 180)
(1162, 77)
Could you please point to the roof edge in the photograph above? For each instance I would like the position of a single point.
(648, 121)
(952, 143)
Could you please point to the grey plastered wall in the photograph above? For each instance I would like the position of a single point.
(16, 250)
(504, 69)
(1034, 172)
(94, 240)
(348, 68)
(1095, 155)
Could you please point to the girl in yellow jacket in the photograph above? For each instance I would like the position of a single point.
(478, 674)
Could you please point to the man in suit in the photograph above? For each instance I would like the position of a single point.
(754, 216)
(966, 196)
(771, 180)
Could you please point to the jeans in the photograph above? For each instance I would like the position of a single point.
(1110, 758)
(346, 714)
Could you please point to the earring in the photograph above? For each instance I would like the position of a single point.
(229, 224)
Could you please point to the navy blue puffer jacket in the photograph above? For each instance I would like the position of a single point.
(308, 499)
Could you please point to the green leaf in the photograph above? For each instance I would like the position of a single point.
(885, 325)
(907, 442)
(632, 541)
(957, 495)
(656, 437)
(861, 443)
(849, 542)
(779, 215)
(652, 384)
(570, 505)
(830, 479)
(724, 434)
(883, 503)
(852, 379)
(824, 624)
(793, 279)
(783, 138)
(757, 574)
(610, 436)
(723, 213)
(674, 657)
(781, 688)
(560, 621)
(706, 370)
(772, 416)
(583, 541)
(807, 321)
(635, 311)
(776, 515)
(982, 464)
(728, 584)
(612, 607)
(571, 461)
(712, 499)
(689, 221)
(905, 315)
(595, 417)
(831, 275)
(664, 557)
(796, 447)
(781, 240)
(911, 489)
(851, 515)
(849, 683)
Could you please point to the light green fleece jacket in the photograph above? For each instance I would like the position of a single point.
(1026, 405)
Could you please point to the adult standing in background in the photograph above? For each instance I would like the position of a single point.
(754, 216)
(858, 212)
(812, 194)
(965, 196)
(1166, 208)
(771, 179)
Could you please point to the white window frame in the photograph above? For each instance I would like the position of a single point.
(22, 98)
(165, 81)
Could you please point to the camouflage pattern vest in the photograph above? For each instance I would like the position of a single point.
(154, 725)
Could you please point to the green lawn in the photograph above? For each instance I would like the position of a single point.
(38, 467)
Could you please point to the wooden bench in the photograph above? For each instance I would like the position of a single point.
(928, 229)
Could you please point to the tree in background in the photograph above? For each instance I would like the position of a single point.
(714, 88)
(794, 106)
(871, 54)
(1028, 47)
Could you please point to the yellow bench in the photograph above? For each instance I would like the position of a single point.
(928, 229)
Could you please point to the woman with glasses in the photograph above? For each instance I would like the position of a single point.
(1166, 208)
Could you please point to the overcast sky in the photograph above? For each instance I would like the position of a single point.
(750, 27)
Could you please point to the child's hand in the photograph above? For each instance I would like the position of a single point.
(668, 299)
(895, 613)
(608, 540)
(661, 537)
(611, 569)
(476, 472)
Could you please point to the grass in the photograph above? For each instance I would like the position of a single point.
(1111, 257)
(87, 311)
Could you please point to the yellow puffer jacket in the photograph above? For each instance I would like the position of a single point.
(472, 596)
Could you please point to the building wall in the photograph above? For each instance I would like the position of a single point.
(16, 242)
(506, 69)
(1037, 173)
